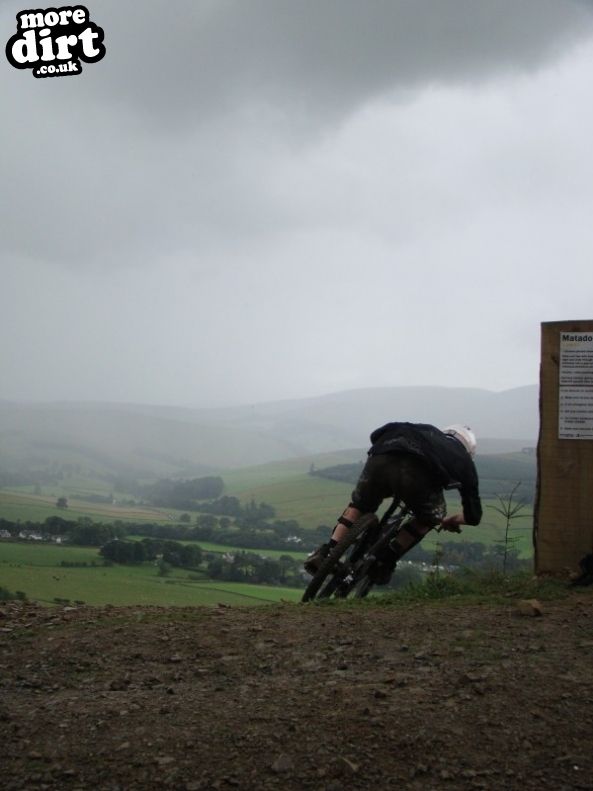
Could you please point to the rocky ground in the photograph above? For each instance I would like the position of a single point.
(298, 697)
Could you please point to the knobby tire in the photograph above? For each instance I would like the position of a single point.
(363, 587)
(325, 582)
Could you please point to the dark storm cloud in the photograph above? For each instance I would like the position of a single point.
(166, 144)
(319, 58)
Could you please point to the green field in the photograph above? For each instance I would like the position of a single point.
(285, 485)
(246, 478)
(210, 546)
(35, 569)
(295, 495)
(311, 501)
(21, 505)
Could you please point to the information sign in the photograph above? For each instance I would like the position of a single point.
(575, 403)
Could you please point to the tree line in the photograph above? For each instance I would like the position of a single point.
(497, 475)
(82, 531)
(253, 568)
(148, 549)
(195, 494)
(261, 535)
(230, 567)
(251, 531)
(468, 554)
(247, 533)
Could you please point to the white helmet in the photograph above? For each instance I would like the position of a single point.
(465, 435)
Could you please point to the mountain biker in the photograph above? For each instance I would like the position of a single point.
(412, 462)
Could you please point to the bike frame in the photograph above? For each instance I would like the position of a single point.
(346, 568)
(348, 573)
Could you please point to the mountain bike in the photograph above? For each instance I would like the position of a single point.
(346, 569)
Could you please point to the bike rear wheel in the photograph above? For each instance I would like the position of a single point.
(362, 588)
(362, 580)
(334, 569)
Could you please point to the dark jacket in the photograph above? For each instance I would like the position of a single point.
(446, 457)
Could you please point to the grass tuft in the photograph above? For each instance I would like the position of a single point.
(469, 587)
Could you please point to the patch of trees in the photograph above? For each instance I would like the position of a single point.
(231, 506)
(497, 474)
(82, 564)
(81, 531)
(271, 536)
(492, 487)
(118, 551)
(222, 506)
(6, 595)
(58, 526)
(469, 554)
(241, 533)
(148, 549)
(252, 568)
(93, 534)
(11, 527)
(183, 494)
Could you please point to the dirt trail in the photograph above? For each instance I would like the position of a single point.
(297, 697)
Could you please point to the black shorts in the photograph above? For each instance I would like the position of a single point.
(405, 477)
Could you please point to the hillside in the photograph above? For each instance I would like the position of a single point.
(286, 698)
(105, 440)
(147, 441)
(498, 474)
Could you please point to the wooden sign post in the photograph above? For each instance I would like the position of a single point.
(563, 520)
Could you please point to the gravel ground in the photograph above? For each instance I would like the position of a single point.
(298, 697)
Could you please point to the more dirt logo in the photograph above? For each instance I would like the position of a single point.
(54, 41)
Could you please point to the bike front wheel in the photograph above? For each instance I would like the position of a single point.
(332, 576)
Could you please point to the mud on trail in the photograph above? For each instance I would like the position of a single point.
(297, 697)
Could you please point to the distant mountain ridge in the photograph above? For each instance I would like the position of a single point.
(157, 440)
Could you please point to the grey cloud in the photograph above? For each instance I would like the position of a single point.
(253, 200)
(320, 57)
(169, 142)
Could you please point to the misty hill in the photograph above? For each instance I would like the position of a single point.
(145, 441)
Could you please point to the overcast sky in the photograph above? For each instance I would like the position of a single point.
(249, 200)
